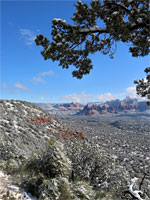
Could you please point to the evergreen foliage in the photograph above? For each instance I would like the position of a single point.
(123, 20)
(143, 85)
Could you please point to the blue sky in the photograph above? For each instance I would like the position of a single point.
(26, 76)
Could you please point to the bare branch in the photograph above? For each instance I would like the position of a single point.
(135, 193)
(142, 181)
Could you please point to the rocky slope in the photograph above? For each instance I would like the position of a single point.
(36, 151)
(58, 159)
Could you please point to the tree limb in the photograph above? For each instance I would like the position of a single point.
(139, 25)
(135, 193)
(142, 181)
(119, 5)
(95, 29)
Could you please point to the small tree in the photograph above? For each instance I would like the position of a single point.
(123, 20)
(143, 85)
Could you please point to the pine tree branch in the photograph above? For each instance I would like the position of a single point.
(95, 29)
(118, 5)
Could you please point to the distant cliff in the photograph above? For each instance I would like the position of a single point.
(116, 106)
(63, 108)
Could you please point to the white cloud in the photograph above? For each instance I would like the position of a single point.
(109, 96)
(5, 86)
(20, 86)
(42, 98)
(85, 98)
(28, 36)
(39, 77)
(79, 98)
(49, 73)
(131, 92)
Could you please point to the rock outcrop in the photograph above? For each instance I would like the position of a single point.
(115, 107)
(61, 109)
